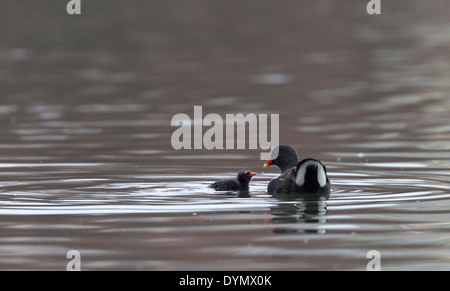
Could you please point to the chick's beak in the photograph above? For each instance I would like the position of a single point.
(251, 174)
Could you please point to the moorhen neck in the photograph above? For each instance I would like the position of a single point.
(286, 159)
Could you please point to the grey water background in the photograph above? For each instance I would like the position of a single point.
(85, 156)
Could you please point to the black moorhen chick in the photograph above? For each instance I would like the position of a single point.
(309, 177)
(286, 159)
(238, 184)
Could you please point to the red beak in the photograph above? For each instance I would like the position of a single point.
(267, 163)
(251, 174)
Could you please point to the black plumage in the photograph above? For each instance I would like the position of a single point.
(241, 183)
(287, 159)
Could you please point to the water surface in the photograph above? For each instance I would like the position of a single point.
(85, 156)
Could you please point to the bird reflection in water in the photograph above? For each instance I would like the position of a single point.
(307, 209)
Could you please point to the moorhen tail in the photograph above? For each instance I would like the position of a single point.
(309, 177)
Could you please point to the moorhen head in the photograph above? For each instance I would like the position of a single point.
(285, 157)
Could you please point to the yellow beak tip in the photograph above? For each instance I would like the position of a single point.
(265, 165)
